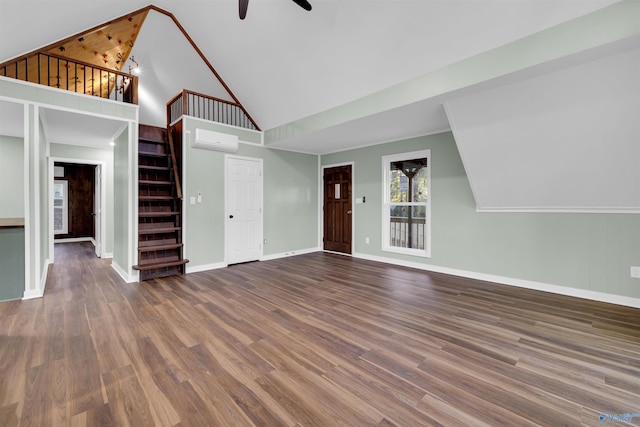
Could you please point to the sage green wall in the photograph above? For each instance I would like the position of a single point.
(121, 203)
(43, 177)
(582, 251)
(100, 155)
(32, 277)
(43, 95)
(11, 263)
(11, 177)
(12, 240)
(290, 197)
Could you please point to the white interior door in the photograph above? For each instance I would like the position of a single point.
(243, 209)
(97, 212)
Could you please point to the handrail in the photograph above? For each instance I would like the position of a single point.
(70, 74)
(176, 175)
(190, 103)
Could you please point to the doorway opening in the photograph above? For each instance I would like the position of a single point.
(77, 196)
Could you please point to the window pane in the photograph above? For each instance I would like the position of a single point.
(420, 185)
(58, 224)
(58, 191)
(407, 226)
(398, 186)
(408, 181)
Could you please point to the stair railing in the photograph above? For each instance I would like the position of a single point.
(72, 75)
(210, 108)
(176, 174)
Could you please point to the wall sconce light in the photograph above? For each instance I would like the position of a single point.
(136, 69)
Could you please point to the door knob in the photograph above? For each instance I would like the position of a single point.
(230, 216)
(349, 212)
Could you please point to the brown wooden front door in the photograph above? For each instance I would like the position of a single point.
(337, 209)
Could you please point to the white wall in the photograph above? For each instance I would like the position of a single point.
(175, 67)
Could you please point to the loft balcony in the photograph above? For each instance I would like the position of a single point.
(72, 75)
(210, 108)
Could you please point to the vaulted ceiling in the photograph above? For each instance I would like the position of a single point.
(359, 72)
(284, 63)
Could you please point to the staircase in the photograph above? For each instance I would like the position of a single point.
(160, 247)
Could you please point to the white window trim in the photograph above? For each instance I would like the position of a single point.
(386, 204)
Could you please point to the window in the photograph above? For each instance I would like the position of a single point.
(60, 207)
(406, 208)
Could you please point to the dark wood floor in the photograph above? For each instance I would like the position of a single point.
(312, 340)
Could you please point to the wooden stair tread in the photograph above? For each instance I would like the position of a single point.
(151, 154)
(160, 247)
(155, 198)
(152, 182)
(160, 265)
(157, 242)
(159, 230)
(149, 133)
(157, 214)
(153, 168)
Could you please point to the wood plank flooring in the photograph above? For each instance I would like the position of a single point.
(312, 340)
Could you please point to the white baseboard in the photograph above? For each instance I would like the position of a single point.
(520, 283)
(107, 255)
(39, 293)
(205, 267)
(124, 275)
(33, 293)
(215, 266)
(74, 240)
(290, 253)
(45, 274)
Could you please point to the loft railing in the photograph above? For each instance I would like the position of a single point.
(407, 233)
(75, 76)
(210, 108)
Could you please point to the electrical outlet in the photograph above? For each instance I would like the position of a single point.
(366, 240)
(635, 272)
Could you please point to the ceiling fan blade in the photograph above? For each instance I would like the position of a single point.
(303, 4)
(243, 5)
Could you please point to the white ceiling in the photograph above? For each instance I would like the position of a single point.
(566, 140)
(64, 127)
(285, 64)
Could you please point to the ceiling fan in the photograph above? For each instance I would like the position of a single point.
(243, 5)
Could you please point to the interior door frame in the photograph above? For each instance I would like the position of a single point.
(101, 165)
(98, 242)
(321, 205)
(228, 157)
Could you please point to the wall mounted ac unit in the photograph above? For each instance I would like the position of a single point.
(211, 140)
